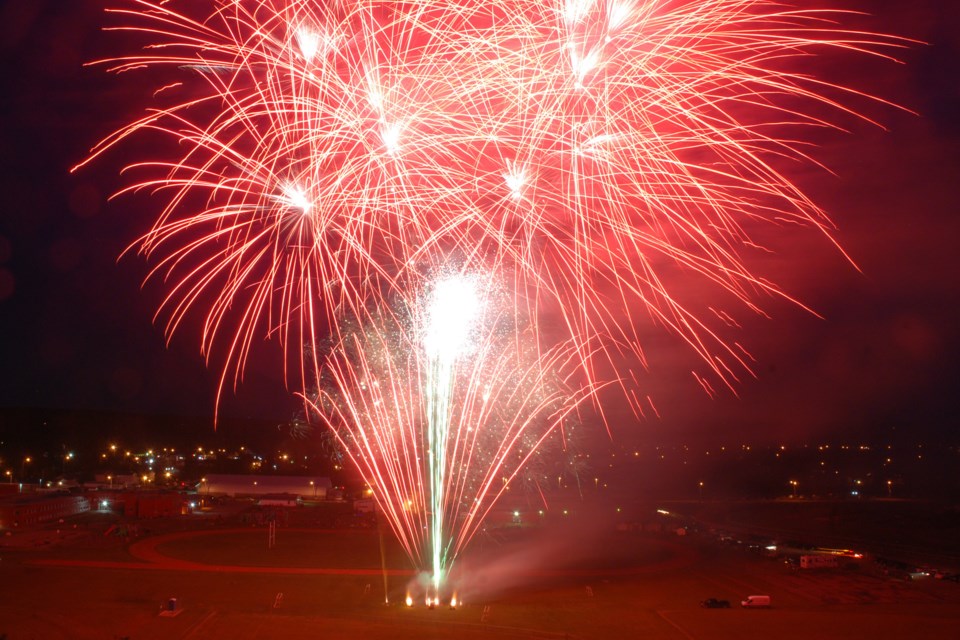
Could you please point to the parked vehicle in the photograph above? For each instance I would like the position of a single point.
(819, 562)
(713, 603)
(756, 602)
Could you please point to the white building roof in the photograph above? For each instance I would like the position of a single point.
(251, 485)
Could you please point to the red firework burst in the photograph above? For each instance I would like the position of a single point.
(334, 151)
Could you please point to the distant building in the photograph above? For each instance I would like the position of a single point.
(10, 489)
(118, 481)
(236, 485)
(32, 509)
(144, 504)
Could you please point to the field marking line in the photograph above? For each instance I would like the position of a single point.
(197, 626)
(683, 632)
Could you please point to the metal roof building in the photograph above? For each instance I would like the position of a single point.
(310, 487)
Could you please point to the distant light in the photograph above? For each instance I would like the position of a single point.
(409, 600)
(663, 512)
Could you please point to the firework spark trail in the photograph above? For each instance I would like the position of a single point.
(451, 312)
(439, 427)
(331, 150)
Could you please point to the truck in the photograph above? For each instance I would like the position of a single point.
(754, 602)
(819, 561)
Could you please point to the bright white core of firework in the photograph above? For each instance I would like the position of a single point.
(452, 310)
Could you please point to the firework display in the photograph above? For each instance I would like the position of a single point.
(333, 155)
(440, 420)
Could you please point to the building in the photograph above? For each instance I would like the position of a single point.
(144, 504)
(237, 486)
(33, 509)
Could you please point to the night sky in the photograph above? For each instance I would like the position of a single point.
(78, 331)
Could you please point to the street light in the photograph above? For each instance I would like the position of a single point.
(794, 484)
(700, 487)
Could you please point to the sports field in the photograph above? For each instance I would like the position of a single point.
(548, 582)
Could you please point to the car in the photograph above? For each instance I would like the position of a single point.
(713, 603)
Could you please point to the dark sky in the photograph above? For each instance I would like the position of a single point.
(78, 333)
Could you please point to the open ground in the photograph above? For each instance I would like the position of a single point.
(559, 580)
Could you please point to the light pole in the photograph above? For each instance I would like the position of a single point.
(793, 483)
(700, 488)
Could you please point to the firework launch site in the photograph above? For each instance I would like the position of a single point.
(588, 572)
